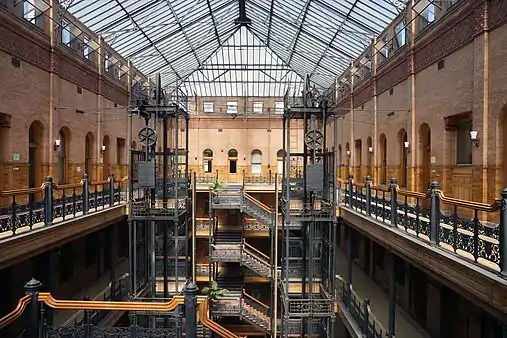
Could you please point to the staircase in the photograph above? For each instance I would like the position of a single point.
(255, 261)
(255, 312)
(227, 237)
(234, 284)
(257, 210)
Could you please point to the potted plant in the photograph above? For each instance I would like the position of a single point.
(215, 187)
(213, 292)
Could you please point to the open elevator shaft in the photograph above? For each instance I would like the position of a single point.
(158, 196)
(309, 218)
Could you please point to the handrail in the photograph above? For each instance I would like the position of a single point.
(59, 304)
(16, 313)
(249, 247)
(469, 204)
(255, 300)
(255, 201)
(204, 318)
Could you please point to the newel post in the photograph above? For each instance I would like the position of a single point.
(503, 233)
(86, 193)
(394, 201)
(351, 189)
(48, 200)
(190, 309)
(434, 212)
(111, 189)
(368, 195)
(32, 289)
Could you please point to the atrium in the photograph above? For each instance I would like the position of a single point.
(253, 168)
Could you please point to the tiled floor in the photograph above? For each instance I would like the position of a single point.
(367, 288)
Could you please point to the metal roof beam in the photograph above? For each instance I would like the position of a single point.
(185, 26)
(296, 38)
(135, 12)
(213, 20)
(270, 21)
(313, 36)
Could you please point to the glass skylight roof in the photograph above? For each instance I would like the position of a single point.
(201, 47)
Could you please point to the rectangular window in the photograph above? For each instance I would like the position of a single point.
(106, 62)
(257, 107)
(401, 34)
(463, 142)
(66, 36)
(208, 166)
(208, 107)
(384, 54)
(120, 71)
(86, 47)
(232, 107)
(29, 12)
(233, 166)
(279, 106)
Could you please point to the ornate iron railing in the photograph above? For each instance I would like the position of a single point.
(360, 310)
(51, 203)
(472, 230)
(194, 309)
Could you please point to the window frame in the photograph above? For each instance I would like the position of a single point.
(66, 29)
(279, 110)
(255, 107)
(232, 104)
(206, 105)
(464, 143)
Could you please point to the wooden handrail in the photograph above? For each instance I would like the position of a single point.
(58, 304)
(16, 313)
(252, 298)
(203, 317)
(249, 247)
(414, 194)
(255, 201)
(469, 204)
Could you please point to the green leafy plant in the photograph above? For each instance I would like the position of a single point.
(213, 292)
(216, 186)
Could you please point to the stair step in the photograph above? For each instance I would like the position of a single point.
(228, 236)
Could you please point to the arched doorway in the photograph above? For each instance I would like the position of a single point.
(256, 162)
(207, 156)
(340, 161)
(358, 159)
(88, 169)
(383, 158)
(425, 155)
(35, 143)
(403, 157)
(233, 161)
(503, 120)
(106, 157)
(369, 162)
(279, 161)
(63, 151)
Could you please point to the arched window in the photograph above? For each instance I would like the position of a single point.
(207, 155)
(279, 160)
(63, 152)
(256, 162)
(233, 161)
(89, 154)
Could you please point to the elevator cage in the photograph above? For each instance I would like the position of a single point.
(308, 209)
(159, 200)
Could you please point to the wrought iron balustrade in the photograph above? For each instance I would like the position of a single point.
(29, 209)
(180, 312)
(316, 307)
(360, 309)
(471, 230)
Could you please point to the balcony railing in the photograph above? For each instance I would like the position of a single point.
(28, 209)
(360, 310)
(31, 309)
(472, 230)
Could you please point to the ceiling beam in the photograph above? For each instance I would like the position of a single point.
(296, 38)
(270, 21)
(214, 22)
(133, 13)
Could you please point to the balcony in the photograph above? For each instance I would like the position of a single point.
(55, 212)
(251, 183)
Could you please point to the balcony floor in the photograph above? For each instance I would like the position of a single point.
(367, 288)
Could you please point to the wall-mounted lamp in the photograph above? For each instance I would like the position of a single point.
(370, 150)
(103, 149)
(348, 152)
(474, 137)
(56, 145)
(406, 144)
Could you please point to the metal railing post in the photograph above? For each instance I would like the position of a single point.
(434, 212)
(368, 195)
(48, 200)
(394, 201)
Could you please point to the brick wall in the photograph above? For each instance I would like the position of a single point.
(64, 96)
(411, 93)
